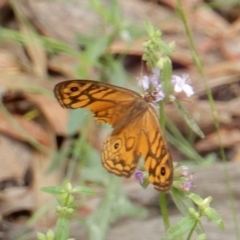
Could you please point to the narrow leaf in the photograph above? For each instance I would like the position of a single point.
(189, 120)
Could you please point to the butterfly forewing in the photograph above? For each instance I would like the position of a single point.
(136, 130)
(106, 101)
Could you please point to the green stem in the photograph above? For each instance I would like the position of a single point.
(164, 210)
(192, 231)
(195, 225)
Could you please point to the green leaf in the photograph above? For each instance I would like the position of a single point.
(41, 236)
(97, 49)
(50, 235)
(182, 226)
(53, 190)
(196, 198)
(212, 214)
(206, 201)
(150, 29)
(201, 237)
(189, 120)
(62, 228)
(181, 200)
(83, 189)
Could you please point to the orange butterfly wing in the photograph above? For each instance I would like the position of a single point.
(154, 149)
(106, 101)
(136, 128)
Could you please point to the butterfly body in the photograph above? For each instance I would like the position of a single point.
(136, 130)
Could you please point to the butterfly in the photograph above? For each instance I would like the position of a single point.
(136, 129)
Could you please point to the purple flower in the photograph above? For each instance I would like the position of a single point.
(159, 95)
(183, 180)
(139, 175)
(182, 84)
(188, 184)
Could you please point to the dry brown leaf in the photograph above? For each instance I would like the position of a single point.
(16, 199)
(220, 80)
(8, 62)
(25, 83)
(46, 17)
(134, 47)
(19, 193)
(236, 156)
(231, 44)
(15, 160)
(208, 22)
(201, 112)
(22, 129)
(226, 137)
(56, 116)
(3, 3)
(64, 64)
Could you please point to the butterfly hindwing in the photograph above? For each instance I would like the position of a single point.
(158, 161)
(120, 153)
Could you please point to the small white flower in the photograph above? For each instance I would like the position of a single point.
(182, 84)
(144, 82)
(188, 184)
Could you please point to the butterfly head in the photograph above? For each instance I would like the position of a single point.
(151, 97)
